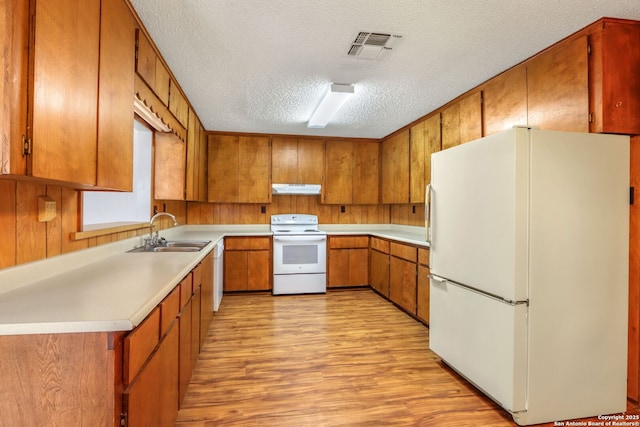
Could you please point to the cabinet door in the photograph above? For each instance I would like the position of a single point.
(235, 270)
(418, 158)
(358, 267)
(203, 161)
(64, 103)
(254, 169)
(395, 168)
(425, 140)
(422, 310)
(223, 152)
(178, 104)
(206, 287)
(433, 144)
(115, 119)
(145, 59)
(196, 305)
(614, 63)
(258, 270)
(338, 267)
(366, 173)
(557, 88)
(402, 286)
(310, 161)
(170, 156)
(462, 121)
(153, 399)
(338, 186)
(185, 366)
(192, 178)
(505, 101)
(380, 272)
(284, 166)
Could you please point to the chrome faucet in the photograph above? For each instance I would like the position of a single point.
(155, 240)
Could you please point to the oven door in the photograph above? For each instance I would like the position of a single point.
(299, 254)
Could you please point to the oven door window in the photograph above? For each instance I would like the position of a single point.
(297, 257)
(299, 254)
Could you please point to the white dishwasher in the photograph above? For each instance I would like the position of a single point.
(218, 267)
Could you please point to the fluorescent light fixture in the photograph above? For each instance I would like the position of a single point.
(330, 104)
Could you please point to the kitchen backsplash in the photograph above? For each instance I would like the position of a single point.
(25, 239)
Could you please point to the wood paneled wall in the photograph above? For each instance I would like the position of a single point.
(411, 214)
(24, 239)
(250, 213)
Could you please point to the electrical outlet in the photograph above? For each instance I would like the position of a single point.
(46, 208)
(342, 209)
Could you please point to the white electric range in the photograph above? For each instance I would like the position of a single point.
(299, 255)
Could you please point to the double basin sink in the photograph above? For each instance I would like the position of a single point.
(174, 246)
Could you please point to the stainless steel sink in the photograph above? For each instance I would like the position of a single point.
(174, 246)
(186, 243)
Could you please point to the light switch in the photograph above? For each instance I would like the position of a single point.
(46, 208)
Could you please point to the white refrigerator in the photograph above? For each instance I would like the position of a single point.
(529, 270)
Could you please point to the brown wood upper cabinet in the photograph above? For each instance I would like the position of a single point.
(352, 172)
(79, 127)
(425, 139)
(614, 62)
(581, 84)
(149, 66)
(557, 87)
(505, 101)
(297, 160)
(178, 104)
(462, 121)
(169, 165)
(196, 165)
(395, 168)
(239, 169)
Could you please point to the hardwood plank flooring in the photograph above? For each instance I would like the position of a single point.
(347, 358)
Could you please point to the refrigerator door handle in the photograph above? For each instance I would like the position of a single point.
(437, 278)
(427, 210)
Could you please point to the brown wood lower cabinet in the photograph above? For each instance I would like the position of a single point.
(247, 264)
(348, 261)
(379, 265)
(152, 399)
(109, 379)
(422, 303)
(402, 276)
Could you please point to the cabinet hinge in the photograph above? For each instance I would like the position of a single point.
(26, 145)
(123, 419)
(588, 48)
(632, 195)
(590, 117)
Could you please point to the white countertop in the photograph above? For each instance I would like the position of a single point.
(107, 289)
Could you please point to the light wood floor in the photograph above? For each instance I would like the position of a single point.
(347, 358)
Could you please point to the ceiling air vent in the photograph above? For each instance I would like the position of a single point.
(367, 45)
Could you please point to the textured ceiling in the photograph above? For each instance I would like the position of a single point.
(264, 65)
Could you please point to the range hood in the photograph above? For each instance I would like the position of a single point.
(299, 189)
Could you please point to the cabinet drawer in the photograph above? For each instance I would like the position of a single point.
(423, 256)
(169, 309)
(410, 253)
(348, 242)
(380, 245)
(186, 289)
(247, 243)
(139, 344)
